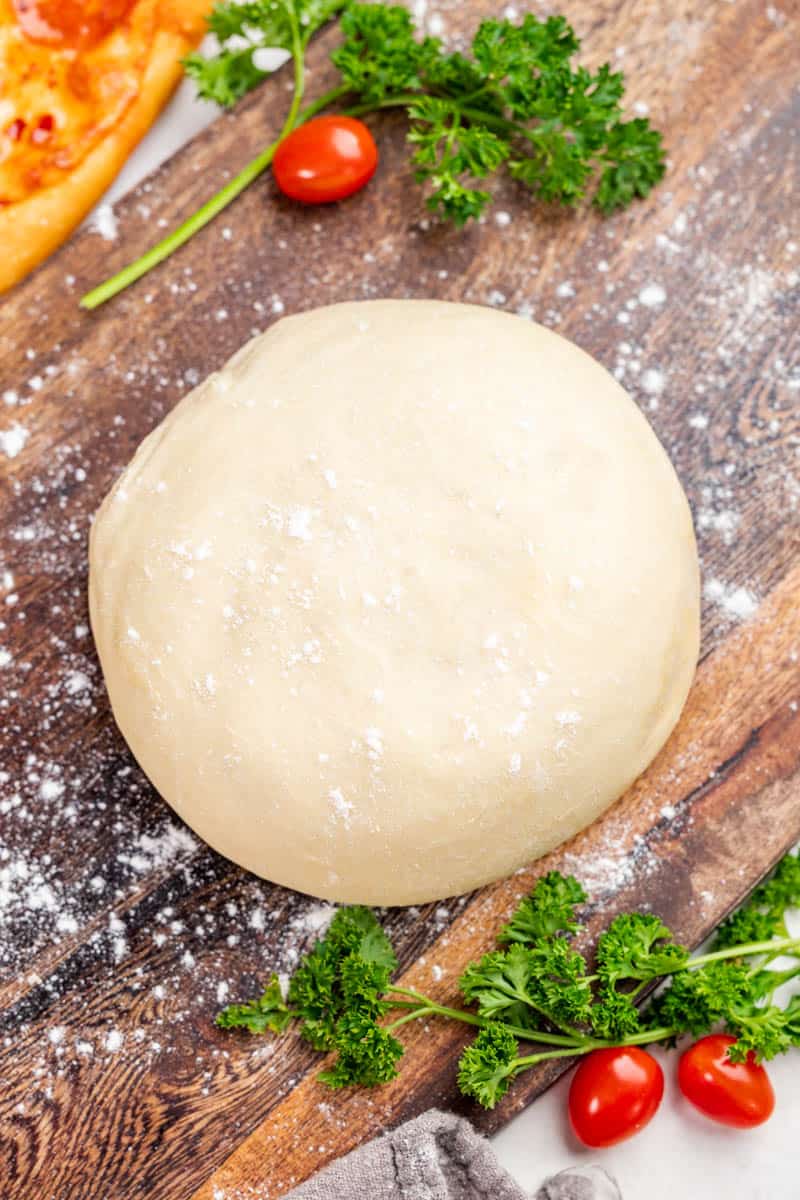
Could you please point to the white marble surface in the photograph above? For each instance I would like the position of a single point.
(680, 1156)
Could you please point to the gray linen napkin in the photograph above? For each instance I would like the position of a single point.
(439, 1156)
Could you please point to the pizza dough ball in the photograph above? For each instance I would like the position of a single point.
(398, 600)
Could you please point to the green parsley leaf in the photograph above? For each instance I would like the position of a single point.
(524, 983)
(267, 1013)
(504, 50)
(367, 1054)
(231, 73)
(549, 909)
(696, 1001)
(265, 18)
(225, 78)
(634, 155)
(614, 1016)
(448, 151)
(487, 1066)
(354, 959)
(498, 981)
(380, 55)
(638, 946)
(313, 14)
(763, 1032)
(762, 916)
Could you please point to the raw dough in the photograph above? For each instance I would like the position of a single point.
(401, 598)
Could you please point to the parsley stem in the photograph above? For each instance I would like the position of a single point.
(403, 99)
(299, 60)
(424, 1011)
(773, 947)
(530, 1060)
(428, 1007)
(213, 207)
(645, 1036)
(168, 245)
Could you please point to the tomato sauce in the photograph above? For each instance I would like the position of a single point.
(69, 70)
(70, 22)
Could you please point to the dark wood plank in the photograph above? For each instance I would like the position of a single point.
(116, 927)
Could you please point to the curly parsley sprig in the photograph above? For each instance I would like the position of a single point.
(514, 102)
(536, 989)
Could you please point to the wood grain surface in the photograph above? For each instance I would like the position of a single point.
(120, 935)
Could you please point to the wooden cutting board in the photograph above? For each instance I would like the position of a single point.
(120, 935)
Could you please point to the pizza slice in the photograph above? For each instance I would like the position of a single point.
(80, 82)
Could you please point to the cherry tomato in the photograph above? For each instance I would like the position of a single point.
(614, 1094)
(738, 1094)
(326, 159)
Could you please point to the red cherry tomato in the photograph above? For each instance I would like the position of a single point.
(614, 1094)
(738, 1094)
(326, 159)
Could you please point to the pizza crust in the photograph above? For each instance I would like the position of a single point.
(33, 228)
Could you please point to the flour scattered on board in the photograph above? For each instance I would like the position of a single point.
(104, 221)
(13, 439)
(736, 602)
(652, 296)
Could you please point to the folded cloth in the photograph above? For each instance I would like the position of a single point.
(439, 1156)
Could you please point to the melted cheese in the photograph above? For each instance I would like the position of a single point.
(69, 71)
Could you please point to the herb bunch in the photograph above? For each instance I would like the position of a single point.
(515, 102)
(535, 989)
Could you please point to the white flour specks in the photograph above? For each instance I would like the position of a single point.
(471, 733)
(724, 522)
(51, 789)
(114, 1041)
(518, 724)
(299, 524)
(653, 381)
(652, 296)
(171, 844)
(12, 440)
(104, 221)
(738, 603)
(568, 718)
(207, 686)
(373, 740)
(341, 808)
(314, 920)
